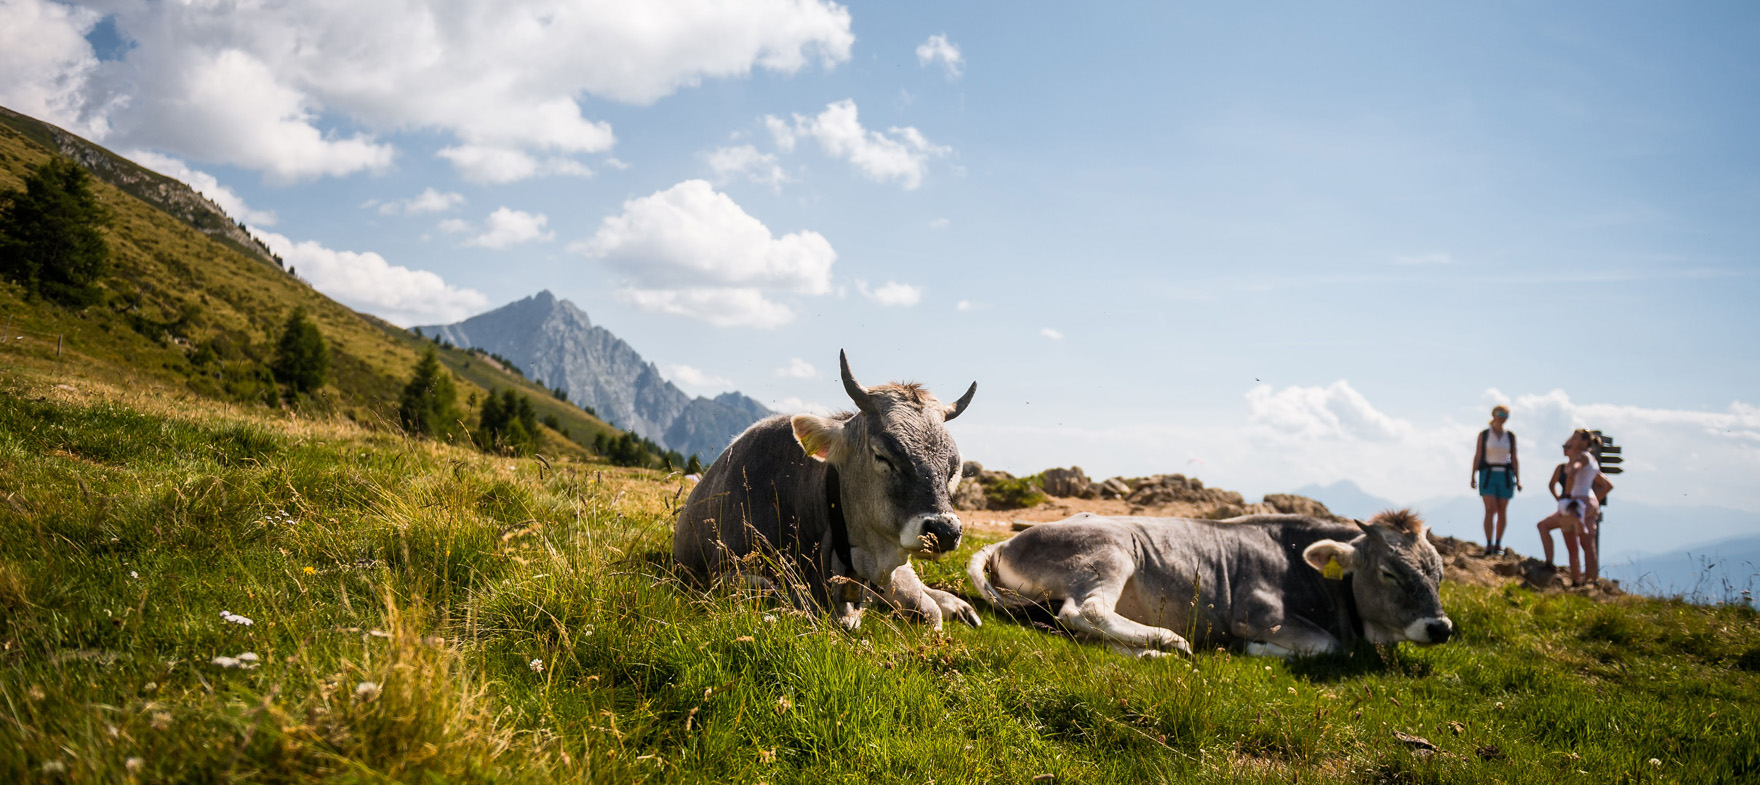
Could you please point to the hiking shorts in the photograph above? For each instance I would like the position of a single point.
(1497, 481)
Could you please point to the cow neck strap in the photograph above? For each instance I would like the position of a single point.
(1344, 605)
(839, 526)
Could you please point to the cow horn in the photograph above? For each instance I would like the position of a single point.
(961, 404)
(857, 393)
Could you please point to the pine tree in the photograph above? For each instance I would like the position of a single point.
(49, 238)
(302, 361)
(508, 424)
(430, 401)
(694, 466)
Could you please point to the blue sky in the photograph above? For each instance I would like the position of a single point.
(1269, 246)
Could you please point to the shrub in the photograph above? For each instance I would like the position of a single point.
(49, 234)
(1010, 493)
(508, 424)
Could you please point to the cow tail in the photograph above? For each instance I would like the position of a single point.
(978, 569)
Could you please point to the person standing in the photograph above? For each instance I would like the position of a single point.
(1579, 505)
(1497, 474)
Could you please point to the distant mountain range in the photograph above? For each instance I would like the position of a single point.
(554, 343)
(1636, 538)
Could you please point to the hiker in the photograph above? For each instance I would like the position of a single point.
(1578, 486)
(1498, 475)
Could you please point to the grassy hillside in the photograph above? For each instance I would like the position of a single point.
(192, 312)
(426, 613)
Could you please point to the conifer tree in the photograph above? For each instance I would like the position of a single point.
(429, 406)
(49, 234)
(302, 361)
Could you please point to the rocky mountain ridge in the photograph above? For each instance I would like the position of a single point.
(554, 343)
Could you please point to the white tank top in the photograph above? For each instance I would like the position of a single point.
(1582, 484)
(1497, 449)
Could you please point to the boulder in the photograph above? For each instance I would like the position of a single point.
(1163, 489)
(1068, 483)
(1115, 488)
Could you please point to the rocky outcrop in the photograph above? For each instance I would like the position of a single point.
(556, 345)
(1297, 505)
(1162, 489)
(1069, 483)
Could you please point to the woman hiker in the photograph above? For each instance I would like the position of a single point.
(1579, 504)
(1497, 475)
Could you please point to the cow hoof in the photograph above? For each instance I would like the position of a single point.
(1175, 642)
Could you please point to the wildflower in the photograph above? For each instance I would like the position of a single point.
(1292, 690)
(1655, 762)
(366, 691)
(769, 619)
(235, 618)
(133, 765)
(54, 767)
(310, 571)
(537, 666)
(588, 632)
(36, 693)
(246, 661)
(161, 721)
(134, 575)
(249, 656)
(783, 704)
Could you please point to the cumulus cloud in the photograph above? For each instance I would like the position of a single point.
(1050, 333)
(299, 90)
(49, 64)
(428, 201)
(892, 293)
(730, 163)
(205, 184)
(365, 280)
(900, 154)
(939, 49)
(508, 227)
(794, 405)
(491, 165)
(797, 368)
(692, 251)
(454, 226)
(695, 380)
(1334, 411)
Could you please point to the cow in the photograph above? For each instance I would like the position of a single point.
(834, 507)
(1283, 585)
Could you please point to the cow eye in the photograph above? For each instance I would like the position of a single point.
(1389, 575)
(885, 463)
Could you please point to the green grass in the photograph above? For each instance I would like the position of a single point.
(130, 520)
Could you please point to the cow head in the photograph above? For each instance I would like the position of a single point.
(1397, 571)
(897, 467)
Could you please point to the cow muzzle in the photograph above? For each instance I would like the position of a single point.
(1430, 631)
(936, 533)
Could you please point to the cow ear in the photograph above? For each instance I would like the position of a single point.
(818, 436)
(1322, 554)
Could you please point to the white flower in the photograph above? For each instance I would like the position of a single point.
(133, 574)
(247, 661)
(225, 661)
(134, 764)
(249, 656)
(366, 690)
(537, 666)
(54, 767)
(235, 618)
(769, 619)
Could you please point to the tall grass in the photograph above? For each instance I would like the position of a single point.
(428, 614)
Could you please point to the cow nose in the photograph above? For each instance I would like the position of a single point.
(1439, 630)
(942, 532)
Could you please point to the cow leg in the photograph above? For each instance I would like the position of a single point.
(1136, 653)
(1095, 615)
(1295, 637)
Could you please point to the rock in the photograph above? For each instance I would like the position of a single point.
(1163, 489)
(1069, 483)
(969, 495)
(1297, 505)
(1539, 575)
(1115, 488)
(971, 469)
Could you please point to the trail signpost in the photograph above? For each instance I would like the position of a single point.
(1609, 457)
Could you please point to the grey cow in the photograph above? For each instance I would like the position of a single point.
(770, 506)
(1257, 580)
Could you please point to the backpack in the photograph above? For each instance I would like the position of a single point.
(1486, 434)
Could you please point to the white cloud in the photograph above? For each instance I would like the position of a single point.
(964, 305)
(1334, 411)
(48, 63)
(428, 201)
(729, 163)
(491, 165)
(939, 49)
(507, 227)
(793, 405)
(1050, 333)
(453, 226)
(797, 368)
(694, 380)
(297, 90)
(1423, 259)
(900, 154)
(892, 293)
(692, 251)
(205, 184)
(938, 223)
(367, 281)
